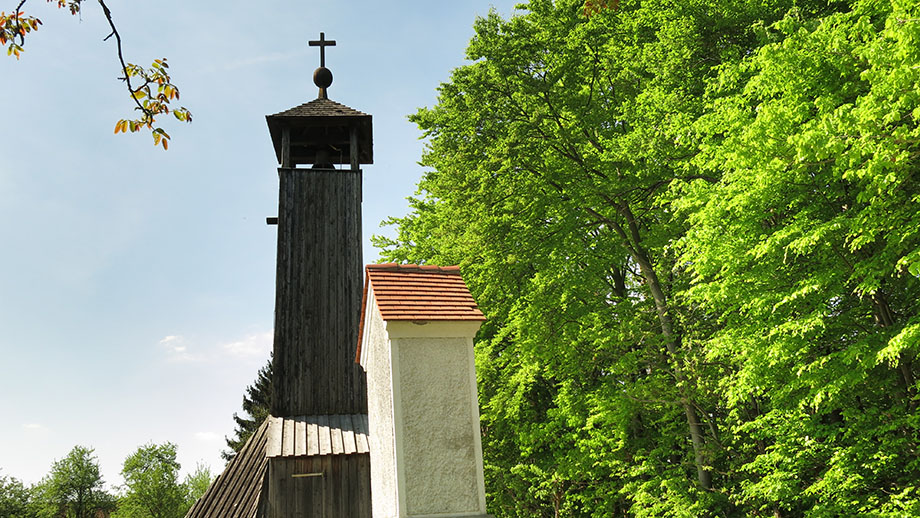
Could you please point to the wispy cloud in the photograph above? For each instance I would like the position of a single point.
(35, 428)
(177, 349)
(207, 436)
(254, 345)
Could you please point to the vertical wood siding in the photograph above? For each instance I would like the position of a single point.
(318, 294)
(323, 486)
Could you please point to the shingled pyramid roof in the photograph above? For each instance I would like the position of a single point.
(322, 120)
(320, 108)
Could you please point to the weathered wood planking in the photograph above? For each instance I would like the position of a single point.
(348, 434)
(361, 431)
(316, 435)
(325, 441)
(236, 492)
(319, 285)
(312, 437)
(241, 490)
(287, 440)
(322, 486)
(275, 434)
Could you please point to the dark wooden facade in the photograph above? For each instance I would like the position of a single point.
(318, 294)
(310, 458)
(318, 487)
(295, 467)
(317, 467)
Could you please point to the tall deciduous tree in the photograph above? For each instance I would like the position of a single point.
(196, 483)
(693, 227)
(803, 250)
(152, 486)
(550, 156)
(74, 488)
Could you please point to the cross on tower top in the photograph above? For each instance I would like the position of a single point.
(322, 43)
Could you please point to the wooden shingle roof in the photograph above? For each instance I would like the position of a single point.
(235, 493)
(317, 435)
(320, 108)
(324, 123)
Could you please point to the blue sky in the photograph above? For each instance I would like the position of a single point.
(137, 285)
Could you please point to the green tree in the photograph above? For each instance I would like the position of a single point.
(589, 175)
(74, 488)
(196, 483)
(256, 405)
(803, 250)
(551, 156)
(150, 89)
(15, 499)
(152, 487)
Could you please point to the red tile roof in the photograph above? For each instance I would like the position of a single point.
(418, 292)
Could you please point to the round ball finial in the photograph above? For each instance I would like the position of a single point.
(322, 77)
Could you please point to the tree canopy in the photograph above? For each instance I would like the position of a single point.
(14, 498)
(74, 488)
(152, 487)
(694, 228)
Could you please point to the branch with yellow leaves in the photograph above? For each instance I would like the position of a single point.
(152, 91)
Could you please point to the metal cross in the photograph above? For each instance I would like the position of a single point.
(322, 43)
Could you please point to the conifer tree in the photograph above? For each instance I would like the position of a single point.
(256, 405)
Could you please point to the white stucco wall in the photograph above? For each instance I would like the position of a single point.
(426, 452)
(381, 440)
(435, 433)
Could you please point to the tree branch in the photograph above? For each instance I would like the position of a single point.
(22, 35)
(121, 59)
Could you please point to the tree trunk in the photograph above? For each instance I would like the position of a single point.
(885, 318)
(667, 330)
(638, 253)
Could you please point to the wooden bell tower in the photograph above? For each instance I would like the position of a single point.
(311, 458)
(319, 394)
(319, 271)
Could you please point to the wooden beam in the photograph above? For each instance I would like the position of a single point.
(353, 147)
(286, 147)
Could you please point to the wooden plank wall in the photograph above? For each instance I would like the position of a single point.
(318, 294)
(325, 486)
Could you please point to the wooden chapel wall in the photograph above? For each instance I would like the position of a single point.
(325, 486)
(318, 294)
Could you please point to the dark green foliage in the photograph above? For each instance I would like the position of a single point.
(15, 499)
(257, 407)
(691, 225)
